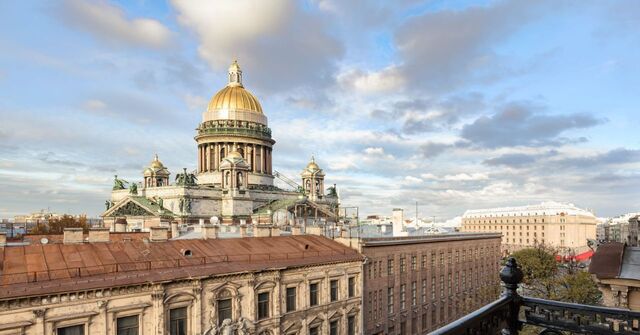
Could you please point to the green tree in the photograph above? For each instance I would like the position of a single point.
(540, 267)
(57, 225)
(578, 287)
(544, 278)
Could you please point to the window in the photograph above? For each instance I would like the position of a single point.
(403, 264)
(433, 259)
(403, 296)
(352, 287)
(403, 327)
(224, 310)
(414, 293)
(442, 258)
(71, 330)
(263, 305)
(291, 299)
(414, 325)
(390, 300)
(314, 330)
(333, 327)
(334, 290)
(389, 267)
(424, 262)
(351, 325)
(441, 286)
(313, 294)
(433, 287)
(127, 325)
(414, 263)
(424, 321)
(177, 321)
(424, 291)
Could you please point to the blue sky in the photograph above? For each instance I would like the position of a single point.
(454, 104)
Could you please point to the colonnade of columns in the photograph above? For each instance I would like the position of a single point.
(258, 157)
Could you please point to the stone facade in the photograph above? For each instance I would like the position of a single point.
(413, 285)
(560, 226)
(297, 294)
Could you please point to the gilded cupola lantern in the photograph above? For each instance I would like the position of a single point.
(156, 174)
(313, 181)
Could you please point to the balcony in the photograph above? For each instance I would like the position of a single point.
(511, 312)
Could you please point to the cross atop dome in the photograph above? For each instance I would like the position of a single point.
(235, 74)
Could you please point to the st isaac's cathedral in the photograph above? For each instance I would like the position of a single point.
(234, 180)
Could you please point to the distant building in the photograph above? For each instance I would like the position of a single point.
(415, 284)
(559, 225)
(142, 283)
(616, 269)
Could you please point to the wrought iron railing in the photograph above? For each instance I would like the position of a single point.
(508, 314)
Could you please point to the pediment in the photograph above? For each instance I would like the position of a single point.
(129, 207)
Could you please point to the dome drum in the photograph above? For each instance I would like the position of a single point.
(235, 128)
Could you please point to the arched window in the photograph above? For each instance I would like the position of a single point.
(239, 180)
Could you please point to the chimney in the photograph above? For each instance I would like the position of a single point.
(210, 231)
(3, 239)
(158, 234)
(296, 230)
(73, 235)
(174, 229)
(275, 231)
(262, 230)
(121, 225)
(98, 235)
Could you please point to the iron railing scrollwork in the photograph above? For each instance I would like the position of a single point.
(510, 312)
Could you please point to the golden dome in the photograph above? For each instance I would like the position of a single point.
(234, 97)
(156, 168)
(156, 163)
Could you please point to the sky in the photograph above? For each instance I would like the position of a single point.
(455, 105)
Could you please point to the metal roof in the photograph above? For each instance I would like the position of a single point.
(607, 261)
(42, 269)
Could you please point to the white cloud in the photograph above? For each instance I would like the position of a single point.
(412, 180)
(109, 22)
(388, 79)
(280, 44)
(466, 177)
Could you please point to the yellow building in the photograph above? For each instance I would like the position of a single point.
(558, 225)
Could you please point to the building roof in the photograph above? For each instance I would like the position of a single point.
(544, 208)
(607, 261)
(36, 269)
(385, 241)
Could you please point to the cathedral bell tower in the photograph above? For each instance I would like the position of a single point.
(313, 181)
(236, 202)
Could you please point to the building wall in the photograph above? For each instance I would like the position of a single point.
(459, 275)
(565, 232)
(98, 310)
(620, 293)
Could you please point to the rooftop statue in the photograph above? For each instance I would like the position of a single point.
(133, 188)
(186, 179)
(119, 184)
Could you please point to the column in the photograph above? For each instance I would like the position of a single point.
(261, 159)
(215, 159)
(199, 158)
(253, 158)
(207, 151)
(270, 161)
